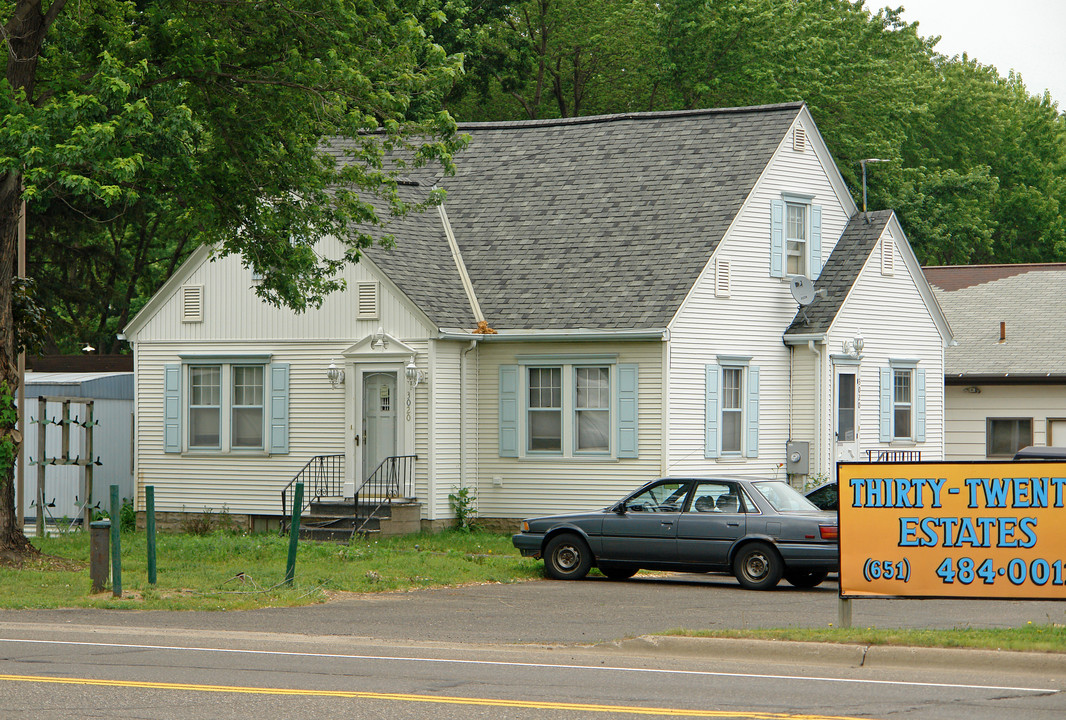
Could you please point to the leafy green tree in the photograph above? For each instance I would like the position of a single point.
(190, 122)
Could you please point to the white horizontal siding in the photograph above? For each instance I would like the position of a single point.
(540, 486)
(750, 322)
(232, 310)
(895, 324)
(444, 437)
(968, 413)
(237, 482)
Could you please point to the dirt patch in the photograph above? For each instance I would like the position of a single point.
(39, 561)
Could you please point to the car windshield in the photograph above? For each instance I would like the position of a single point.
(783, 498)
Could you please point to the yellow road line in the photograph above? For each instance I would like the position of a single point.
(440, 699)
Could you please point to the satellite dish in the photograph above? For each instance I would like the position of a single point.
(802, 289)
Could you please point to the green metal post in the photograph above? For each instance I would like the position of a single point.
(149, 512)
(116, 550)
(294, 532)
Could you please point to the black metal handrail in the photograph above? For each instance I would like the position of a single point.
(394, 478)
(893, 456)
(322, 476)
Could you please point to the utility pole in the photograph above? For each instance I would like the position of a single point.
(20, 484)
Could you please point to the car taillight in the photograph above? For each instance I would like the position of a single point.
(829, 532)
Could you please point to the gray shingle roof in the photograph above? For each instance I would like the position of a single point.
(1030, 303)
(598, 223)
(840, 272)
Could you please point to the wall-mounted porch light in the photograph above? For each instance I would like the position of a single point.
(853, 347)
(334, 374)
(414, 375)
(379, 341)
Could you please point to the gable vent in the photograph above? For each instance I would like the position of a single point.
(888, 256)
(721, 278)
(799, 139)
(368, 301)
(192, 303)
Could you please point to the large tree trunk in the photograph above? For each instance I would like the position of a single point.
(24, 32)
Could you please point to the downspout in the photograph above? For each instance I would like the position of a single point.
(463, 362)
(817, 401)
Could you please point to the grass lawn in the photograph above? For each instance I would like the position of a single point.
(1031, 638)
(226, 571)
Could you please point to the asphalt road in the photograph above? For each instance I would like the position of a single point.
(587, 611)
(76, 671)
(542, 649)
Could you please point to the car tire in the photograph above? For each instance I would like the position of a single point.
(619, 572)
(567, 557)
(806, 579)
(757, 566)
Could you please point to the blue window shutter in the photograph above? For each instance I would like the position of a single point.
(279, 407)
(508, 411)
(919, 405)
(710, 447)
(886, 405)
(172, 408)
(752, 449)
(777, 238)
(816, 241)
(627, 411)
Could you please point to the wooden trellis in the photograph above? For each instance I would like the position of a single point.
(65, 421)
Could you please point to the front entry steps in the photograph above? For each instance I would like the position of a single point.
(334, 521)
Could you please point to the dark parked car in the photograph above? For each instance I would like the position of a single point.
(1038, 452)
(824, 496)
(758, 530)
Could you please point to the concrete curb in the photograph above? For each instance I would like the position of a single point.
(881, 656)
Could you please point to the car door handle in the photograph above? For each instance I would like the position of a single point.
(733, 524)
(668, 522)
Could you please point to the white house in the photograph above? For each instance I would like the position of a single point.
(1006, 377)
(638, 272)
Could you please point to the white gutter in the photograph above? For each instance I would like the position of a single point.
(464, 276)
(558, 335)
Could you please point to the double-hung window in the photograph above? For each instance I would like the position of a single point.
(586, 401)
(902, 402)
(246, 424)
(205, 406)
(568, 406)
(545, 425)
(732, 408)
(796, 238)
(226, 404)
(592, 409)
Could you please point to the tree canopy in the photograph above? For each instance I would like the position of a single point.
(137, 131)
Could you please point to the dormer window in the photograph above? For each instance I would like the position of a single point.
(796, 234)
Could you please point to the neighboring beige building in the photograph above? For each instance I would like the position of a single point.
(1006, 378)
(639, 271)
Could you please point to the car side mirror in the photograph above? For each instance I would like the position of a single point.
(620, 508)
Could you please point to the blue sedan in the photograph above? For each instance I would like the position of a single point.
(758, 530)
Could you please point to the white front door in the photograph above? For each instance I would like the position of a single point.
(845, 413)
(379, 426)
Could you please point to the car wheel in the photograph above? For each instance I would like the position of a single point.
(757, 566)
(803, 579)
(619, 572)
(567, 557)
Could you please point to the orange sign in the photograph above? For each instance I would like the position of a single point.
(971, 530)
